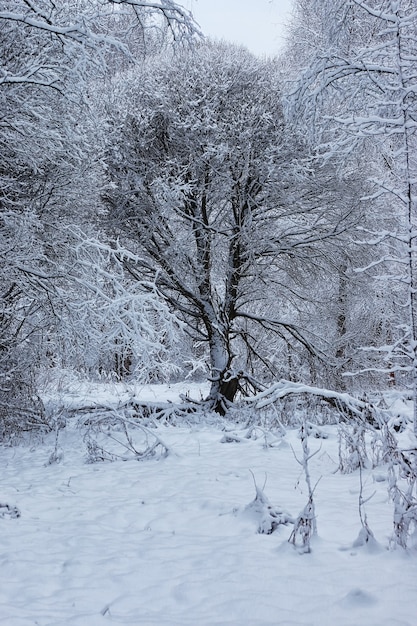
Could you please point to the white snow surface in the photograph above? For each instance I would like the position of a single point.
(168, 542)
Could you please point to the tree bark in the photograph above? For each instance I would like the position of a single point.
(224, 382)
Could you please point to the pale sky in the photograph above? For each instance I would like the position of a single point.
(258, 24)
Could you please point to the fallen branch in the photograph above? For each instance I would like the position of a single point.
(158, 412)
(348, 407)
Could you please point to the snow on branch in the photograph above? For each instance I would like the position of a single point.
(74, 31)
(383, 15)
(345, 404)
(173, 13)
(178, 19)
(115, 316)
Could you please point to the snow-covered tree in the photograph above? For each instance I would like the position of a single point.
(357, 91)
(108, 324)
(212, 192)
(50, 55)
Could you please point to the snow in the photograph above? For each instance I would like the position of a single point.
(174, 541)
(74, 393)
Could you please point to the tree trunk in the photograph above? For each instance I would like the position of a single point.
(341, 321)
(224, 382)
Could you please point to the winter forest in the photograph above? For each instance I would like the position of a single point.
(208, 265)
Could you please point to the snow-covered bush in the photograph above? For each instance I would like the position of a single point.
(352, 448)
(305, 525)
(403, 493)
(113, 435)
(267, 516)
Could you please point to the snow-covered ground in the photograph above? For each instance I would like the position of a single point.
(169, 542)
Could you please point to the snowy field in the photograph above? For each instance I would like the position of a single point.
(170, 542)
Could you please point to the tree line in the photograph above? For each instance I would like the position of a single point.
(174, 207)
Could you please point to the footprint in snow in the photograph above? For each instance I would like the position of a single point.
(7, 511)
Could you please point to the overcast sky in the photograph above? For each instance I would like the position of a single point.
(258, 24)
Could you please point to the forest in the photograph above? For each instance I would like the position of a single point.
(178, 213)
(177, 208)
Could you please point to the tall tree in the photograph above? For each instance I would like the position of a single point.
(50, 53)
(208, 189)
(367, 78)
